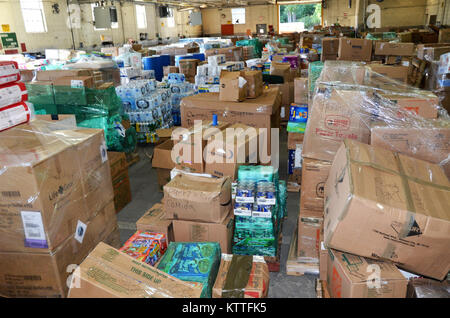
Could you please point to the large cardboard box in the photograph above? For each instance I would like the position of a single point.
(154, 221)
(192, 231)
(189, 67)
(260, 112)
(108, 273)
(384, 205)
(75, 81)
(421, 48)
(301, 90)
(281, 69)
(396, 49)
(241, 276)
(233, 87)
(423, 104)
(195, 198)
(55, 74)
(294, 139)
(422, 287)
(117, 163)
(310, 234)
(429, 140)
(434, 53)
(330, 49)
(47, 185)
(237, 145)
(162, 161)
(352, 49)
(398, 73)
(38, 274)
(189, 145)
(314, 176)
(254, 83)
(323, 262)
(335, 116)
(170, 69)
(348, 276)
(122, 190)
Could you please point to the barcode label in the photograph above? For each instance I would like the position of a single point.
(32, 225)
(11, 194)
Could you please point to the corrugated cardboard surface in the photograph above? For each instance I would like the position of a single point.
(425, 106)
(190, 231)
(398, 73)
(195, 198)
(352, 49)
(46, 274)
(108, 273)
(154, 221)
(388, 206)
(348, 274)
(396, 49)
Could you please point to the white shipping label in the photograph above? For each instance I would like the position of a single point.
(239, 212)
(8, 69)
(103, 152)
(257, 214)
(13, 116)
(76, 84)
(266, 201)
(10, 95)
(80, 231)
(33, 226)
(9, 78)
(245, 199)
(298, 156)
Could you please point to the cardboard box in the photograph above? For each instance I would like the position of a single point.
(189, 146)
(75, 81)
(323, 262)
(398, 73)
(194, 198)
(444, 36)
(163, 162)
(281, 69)
(428, 140)
(434, 53)
(61, 172)
(192, 231)
(309, 237)
(421, 48)
(294, 139)
(352, 49)
(384, 205)
(424, 105)
(427, 288)
(114, 51)
(396, 49)
(334, 117)
(254, 83)
(124, 277)
(343, 71)
(260, 112)
(301, 90)
(59, 122)
(45, 274)
(238, 146)
(314, 176)
(232, 87)
(188, 67)
(117, 162)
(27, 75)
(330, 49)
(122, 190)
(287, 94)
(170, 69)
(154, 221)
(348, 276)
(54, 74)
(241, 276)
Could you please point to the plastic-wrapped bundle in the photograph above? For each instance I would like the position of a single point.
(314, 71)
(12, 93)
(16, 114)
(215, 60)
(9, 72)
(193, 262)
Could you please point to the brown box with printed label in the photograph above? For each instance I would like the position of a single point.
(352, 49)
(385, 205)
(349, 276)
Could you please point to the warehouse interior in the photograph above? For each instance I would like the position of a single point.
(224, 149)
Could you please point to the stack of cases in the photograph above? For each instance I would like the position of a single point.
(260, 204)
(14, 110)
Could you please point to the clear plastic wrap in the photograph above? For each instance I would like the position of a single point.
(427, 288)
(56, 200)
(349, 100)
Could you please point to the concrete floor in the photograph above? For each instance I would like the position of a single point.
(145, 193)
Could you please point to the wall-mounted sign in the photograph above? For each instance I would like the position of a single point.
(9, 40)
(5, 28)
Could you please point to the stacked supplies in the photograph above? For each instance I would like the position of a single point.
(147, 247)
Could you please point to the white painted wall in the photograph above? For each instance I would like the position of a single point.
(58, 33)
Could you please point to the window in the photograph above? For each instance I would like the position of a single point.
(114, 25)
(238, 15)
(33, 16)
(141, 17)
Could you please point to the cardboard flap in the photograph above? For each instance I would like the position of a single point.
(200, 187)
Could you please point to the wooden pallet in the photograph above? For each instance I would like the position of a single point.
(293, 266)
(322, 289)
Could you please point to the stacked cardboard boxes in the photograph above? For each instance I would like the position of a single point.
(121, 182)
(57, 205)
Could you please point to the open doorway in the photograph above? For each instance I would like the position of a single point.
(299, 17)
